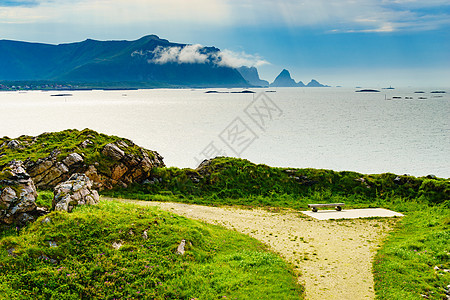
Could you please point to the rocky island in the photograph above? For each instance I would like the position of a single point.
(284, 79)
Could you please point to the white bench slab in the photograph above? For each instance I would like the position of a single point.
(352, 214)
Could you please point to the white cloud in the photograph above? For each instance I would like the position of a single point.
(235, 60)
(190, 54)
(118, 11)
(383, 28)
(345, 15)
(341, 15)
(197, 54)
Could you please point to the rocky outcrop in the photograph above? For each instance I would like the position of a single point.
(124, 167)
(52, 170)
(117, 164)
(76, 191)
(52, 157)
(17, 195)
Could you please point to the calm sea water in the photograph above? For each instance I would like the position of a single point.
(332, 128)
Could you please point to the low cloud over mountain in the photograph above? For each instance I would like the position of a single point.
(190, 54)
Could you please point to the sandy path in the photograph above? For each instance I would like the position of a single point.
(333, 257)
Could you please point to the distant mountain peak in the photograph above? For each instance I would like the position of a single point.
(284, 79)
(251, 75)
(152, 37)
(315, 83)
(148, 37)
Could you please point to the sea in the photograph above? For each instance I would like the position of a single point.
(395, 130)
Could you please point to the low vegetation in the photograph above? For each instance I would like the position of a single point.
(44, 199)
(72, 256)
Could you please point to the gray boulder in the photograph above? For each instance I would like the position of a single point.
(75, 191)
(113, 151)
(17, 195)
(72, 159)
(13, 144)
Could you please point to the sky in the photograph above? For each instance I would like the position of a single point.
(351, 43)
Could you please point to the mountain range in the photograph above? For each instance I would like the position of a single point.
(143, 60)
(146, 62)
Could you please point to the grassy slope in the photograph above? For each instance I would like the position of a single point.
(218, 262)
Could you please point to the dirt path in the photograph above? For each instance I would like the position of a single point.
(333, 257)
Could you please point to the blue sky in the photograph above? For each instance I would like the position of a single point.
(339, 42)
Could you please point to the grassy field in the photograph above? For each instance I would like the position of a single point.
(72, 257)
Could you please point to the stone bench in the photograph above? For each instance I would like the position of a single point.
(337, 206)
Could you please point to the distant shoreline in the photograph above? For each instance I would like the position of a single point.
(4, 88)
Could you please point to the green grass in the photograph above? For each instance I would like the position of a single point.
(218, 263)
(44, 199)
(404, 267)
